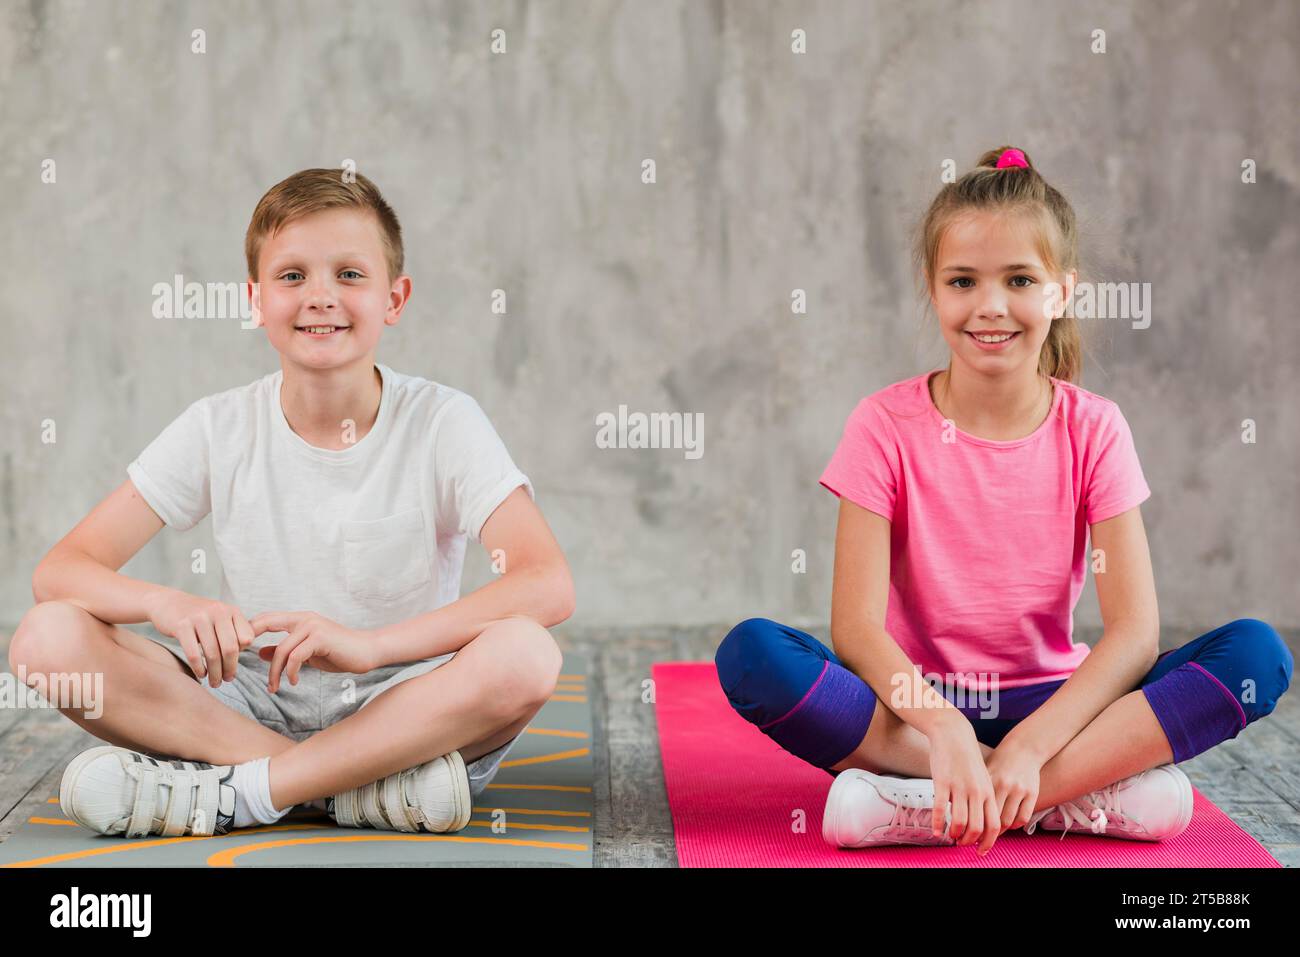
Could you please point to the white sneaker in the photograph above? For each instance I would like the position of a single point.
(1154, 805)
(433, 796)
(869, 810)
(121, 792)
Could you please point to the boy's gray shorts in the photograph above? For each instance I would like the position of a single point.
(320, 698)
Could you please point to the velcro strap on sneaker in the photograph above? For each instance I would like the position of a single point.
(372, 812)
(146, 800)
(401, 817)
(380, 804)
(180, 801)
(203, 818)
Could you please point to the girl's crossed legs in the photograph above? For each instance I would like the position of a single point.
(798, 693)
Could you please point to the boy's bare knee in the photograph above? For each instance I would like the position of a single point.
(527, 665)
(51, 636)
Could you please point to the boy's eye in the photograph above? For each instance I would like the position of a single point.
(289, 276)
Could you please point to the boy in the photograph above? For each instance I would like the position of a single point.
(342, 493)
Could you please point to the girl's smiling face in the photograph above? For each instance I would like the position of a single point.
(327, 269)
(989, 277)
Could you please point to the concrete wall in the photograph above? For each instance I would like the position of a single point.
(775, 171)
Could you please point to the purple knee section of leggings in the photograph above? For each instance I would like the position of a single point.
(831, 720)
(1195, 710)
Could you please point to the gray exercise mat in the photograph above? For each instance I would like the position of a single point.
(537, 812)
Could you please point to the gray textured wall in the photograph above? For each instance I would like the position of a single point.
(775, 171)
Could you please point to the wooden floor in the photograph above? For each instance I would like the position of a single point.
(1254, 778)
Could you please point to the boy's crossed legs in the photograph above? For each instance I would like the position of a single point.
(475, 703)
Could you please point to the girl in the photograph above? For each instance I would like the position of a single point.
(966, 499)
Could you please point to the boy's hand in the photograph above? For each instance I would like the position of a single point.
(211, 633)
(313, 640)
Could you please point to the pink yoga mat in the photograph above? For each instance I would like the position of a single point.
(737, 800)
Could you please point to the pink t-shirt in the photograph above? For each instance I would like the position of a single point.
(988, 544)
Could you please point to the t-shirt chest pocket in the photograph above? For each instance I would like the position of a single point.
(386, 558)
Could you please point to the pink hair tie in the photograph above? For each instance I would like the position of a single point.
(1012, 157)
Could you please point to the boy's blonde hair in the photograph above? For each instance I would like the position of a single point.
(1021, 191)
(311, 191)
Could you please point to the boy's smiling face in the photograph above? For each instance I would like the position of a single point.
(327, 269)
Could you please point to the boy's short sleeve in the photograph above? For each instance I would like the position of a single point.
(1115, 483)
(864, 468)
(172, 473)
(472, 471)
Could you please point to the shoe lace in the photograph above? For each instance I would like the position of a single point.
(1088, 811)
(911, 811)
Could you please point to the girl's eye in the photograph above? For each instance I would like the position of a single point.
(1029, 281)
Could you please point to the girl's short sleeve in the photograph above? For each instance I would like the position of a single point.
(864, 468)
(1115, 482)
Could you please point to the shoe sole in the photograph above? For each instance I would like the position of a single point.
(831, 819)
(1186, 800)
(830, 815)
(69, 780)
(463, 797)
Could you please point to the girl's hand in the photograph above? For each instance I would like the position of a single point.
(315, 641)
(1015, 775)
(957, 767)
(211, 633)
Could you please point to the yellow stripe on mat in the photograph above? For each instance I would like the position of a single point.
(536, 827)
(531, 810)
(227, 857)
(543, 758)
(138, 845)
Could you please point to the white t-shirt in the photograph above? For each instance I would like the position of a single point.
(367, 535)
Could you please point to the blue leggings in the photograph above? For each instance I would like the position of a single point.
(798, 693)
